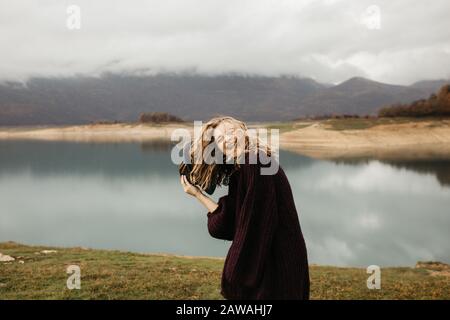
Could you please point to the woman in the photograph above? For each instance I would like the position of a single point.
(267, 258)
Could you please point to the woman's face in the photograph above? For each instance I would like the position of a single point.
(229, 137)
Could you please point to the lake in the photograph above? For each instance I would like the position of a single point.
(127, 196)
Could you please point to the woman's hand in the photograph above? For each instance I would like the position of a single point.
(197, 193)
(188, 187)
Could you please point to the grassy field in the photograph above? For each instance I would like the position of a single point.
(287, 126)
(363, 123)
(124, 275)
(354, 123)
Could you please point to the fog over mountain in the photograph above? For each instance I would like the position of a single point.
(78, 100)
(399, 42)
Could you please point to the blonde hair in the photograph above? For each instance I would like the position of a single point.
(204, 174)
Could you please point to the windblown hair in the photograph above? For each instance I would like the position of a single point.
(204, 174)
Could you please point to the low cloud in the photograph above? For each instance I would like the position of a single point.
(328, 40)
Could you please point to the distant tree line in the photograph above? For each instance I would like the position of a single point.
(105, 122)
(435, 105)
(335, 116)
(158, 117)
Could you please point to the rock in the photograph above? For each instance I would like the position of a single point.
(432, 265)
(5, 258)
(48, 251)
(21, 261)
(435, 268)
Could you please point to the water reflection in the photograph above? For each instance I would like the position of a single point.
(127, 196)
(437, 167)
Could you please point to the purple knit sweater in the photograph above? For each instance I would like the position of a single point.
(267, 258)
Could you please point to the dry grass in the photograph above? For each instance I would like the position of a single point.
(124, 275)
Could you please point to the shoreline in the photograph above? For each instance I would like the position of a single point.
(121, 132)
(419, 139)
(321, 139)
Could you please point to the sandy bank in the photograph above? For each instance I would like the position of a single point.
(93, 133)
(416, 139)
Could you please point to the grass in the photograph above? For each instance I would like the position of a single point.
(124, 275)
(288, 126)
(366, 123)
(353, 123)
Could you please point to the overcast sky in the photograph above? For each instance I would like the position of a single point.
(328, 40)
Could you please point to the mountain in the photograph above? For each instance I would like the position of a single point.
(437, 104)
(117, 97)
(430, 84)
(360, 96)
(79, 100)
